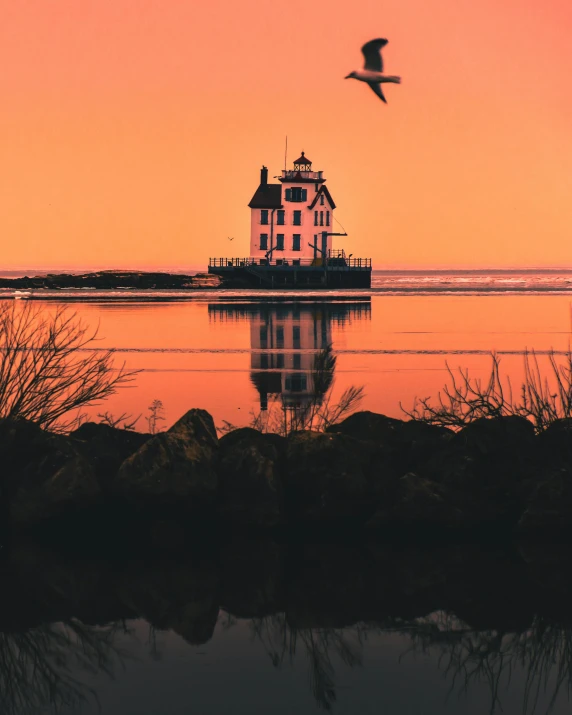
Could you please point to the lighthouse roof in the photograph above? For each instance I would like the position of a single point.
(323, 190)
(303, 160)
(267, 196)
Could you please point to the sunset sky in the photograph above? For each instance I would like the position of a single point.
(132, 131)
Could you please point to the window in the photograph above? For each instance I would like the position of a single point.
(280, 337)
(264, 217)
(296, 241)
(263, 336)
(322, 200)
(296, 383)
(297, 361)
(315, 218)
(263, 241)
(321, 218)
(280, 218)
(296, 336)
(295, 261)
(296, 194)
(279, 241)
(327, 218)
(280, 360)
(264, 361)
(297, 218)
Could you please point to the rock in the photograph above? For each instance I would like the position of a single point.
(326, 477)
(417, 503)
(550, 504)
(43, 475)
(485, 470)
(497, 434)
(174, 468)
(402, 445)
(250, 490)
(106, 448)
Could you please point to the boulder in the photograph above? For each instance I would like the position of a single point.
(401, 444)
(326, 477)
(250, 488)
(176, 468)
(43, 475)
(486, 469)
(491, 435)
(106, 448)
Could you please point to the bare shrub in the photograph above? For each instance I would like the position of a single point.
(49, 367)
(541, 398)
(123, 421)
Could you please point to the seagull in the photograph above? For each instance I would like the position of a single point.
(372, 72)
(230, 239)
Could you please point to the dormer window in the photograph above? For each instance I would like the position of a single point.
(322, 200)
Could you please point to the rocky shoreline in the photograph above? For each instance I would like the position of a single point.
(369, 475)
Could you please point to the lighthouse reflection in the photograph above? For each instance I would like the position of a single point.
(292, 357)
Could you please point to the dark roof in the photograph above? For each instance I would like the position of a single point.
(303, 160)
(267, 196)
(323, 190)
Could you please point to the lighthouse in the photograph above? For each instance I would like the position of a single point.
(291, 221)
(291, 233)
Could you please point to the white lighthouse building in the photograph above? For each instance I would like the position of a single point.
(291, 221)
(291, 230)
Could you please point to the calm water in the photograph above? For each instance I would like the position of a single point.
(267, 628)
(242, 358)
(258, 628)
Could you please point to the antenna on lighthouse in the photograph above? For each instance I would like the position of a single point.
(286, 153)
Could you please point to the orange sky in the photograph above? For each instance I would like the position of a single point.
(132, 131)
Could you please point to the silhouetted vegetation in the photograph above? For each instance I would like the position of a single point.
(49, 367)
(541, 398)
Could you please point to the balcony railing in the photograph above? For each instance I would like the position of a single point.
(292, 174)
(332, 263)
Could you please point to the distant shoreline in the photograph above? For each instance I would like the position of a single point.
(114, 280)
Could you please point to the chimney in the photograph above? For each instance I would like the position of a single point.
(263, 176)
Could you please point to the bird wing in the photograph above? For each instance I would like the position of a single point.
(372, 53)
(376, 87)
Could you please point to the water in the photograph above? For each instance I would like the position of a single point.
(264, 627)
(259, 627)
(241, 357)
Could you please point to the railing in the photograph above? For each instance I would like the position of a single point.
(293, 173)
(332, 263)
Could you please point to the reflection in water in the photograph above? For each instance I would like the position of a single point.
(282, 643)
(292, 358)
(470, 660)
(496, 627)
(43, 668)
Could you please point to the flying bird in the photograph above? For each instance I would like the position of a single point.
(230, 239)
(372, 72)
